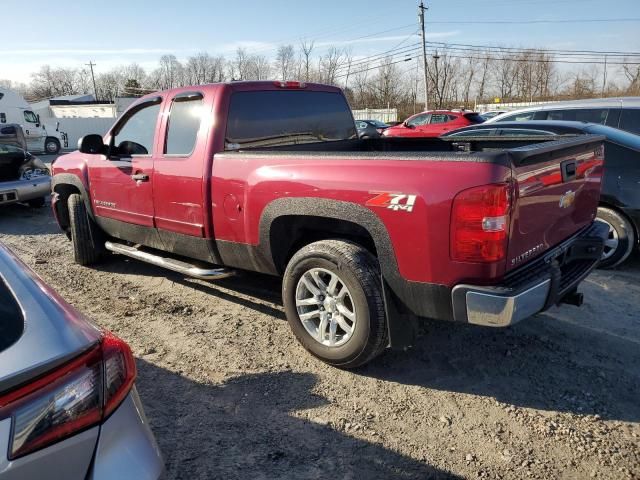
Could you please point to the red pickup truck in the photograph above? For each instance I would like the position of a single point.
(367, 234)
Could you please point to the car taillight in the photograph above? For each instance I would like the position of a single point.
(72, 398)
(290, 84)
(480, 223)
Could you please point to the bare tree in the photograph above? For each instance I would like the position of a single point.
(306, 48)
(51, 82)
(329, 64)
(285, 62)
(632, 74)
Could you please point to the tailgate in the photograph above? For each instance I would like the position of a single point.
(556, 194)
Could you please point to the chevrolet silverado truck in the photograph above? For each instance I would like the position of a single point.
(368, 235)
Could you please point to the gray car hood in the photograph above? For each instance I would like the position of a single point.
(54, 332)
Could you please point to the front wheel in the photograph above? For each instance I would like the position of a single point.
(86, 236)
(332, 295)
(52, 146)
(621, 238)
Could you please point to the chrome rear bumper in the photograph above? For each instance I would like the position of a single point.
(536, 286)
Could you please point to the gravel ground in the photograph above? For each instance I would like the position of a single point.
(230, 393)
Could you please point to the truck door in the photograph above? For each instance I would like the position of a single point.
(179, 172)
(121, 183)
(33, 132)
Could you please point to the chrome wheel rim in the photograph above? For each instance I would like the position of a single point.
(611, 243)
(325, 307)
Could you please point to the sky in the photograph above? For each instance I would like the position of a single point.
(70, 33)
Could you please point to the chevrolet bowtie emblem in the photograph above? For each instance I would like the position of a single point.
(567, 199)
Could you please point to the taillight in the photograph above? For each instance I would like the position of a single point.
(72, 398)
(480, 223)
(290, 84)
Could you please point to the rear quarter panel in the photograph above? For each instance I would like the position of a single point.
(244, 184)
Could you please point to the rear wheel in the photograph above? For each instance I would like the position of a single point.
(332, 295)
(621, 239)
(86, 236)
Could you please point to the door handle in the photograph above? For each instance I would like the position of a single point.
(140, 177)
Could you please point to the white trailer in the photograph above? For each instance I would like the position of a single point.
(41, 138)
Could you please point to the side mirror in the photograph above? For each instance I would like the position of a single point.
(408, 125)
(91, 144)
(38, 121)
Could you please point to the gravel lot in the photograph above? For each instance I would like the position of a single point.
(230, 393)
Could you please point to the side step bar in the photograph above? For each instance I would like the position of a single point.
(169, 263)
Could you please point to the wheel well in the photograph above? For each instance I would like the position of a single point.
(64, 191)
(289, 233)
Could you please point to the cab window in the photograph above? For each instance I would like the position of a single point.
(30, 117)
(136, 133)
(184, 124)
(630, 120)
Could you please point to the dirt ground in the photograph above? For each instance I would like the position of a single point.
(230, 394)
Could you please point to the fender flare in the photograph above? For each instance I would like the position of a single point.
(421, 299)
(75, 181)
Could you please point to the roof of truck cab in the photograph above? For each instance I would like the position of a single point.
(242, 86)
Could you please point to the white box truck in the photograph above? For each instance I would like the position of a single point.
(41, 138)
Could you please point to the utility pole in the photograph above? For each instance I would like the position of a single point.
(421, 9)
(439, 94)
(604, 76)
(93, 78)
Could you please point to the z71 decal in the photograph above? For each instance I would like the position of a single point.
(393, 201)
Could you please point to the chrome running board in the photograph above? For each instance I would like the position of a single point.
(169, 263)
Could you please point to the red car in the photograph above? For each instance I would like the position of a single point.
(271, 177)
(433, 123)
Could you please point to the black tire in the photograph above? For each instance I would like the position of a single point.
(620, 229)
(87, 238)
(37, 202)
(51, 146)
(359, 271)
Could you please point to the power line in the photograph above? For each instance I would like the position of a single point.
(531, 22)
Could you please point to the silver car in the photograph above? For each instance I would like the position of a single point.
(68, 404)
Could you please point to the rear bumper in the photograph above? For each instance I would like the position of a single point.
(23, 190)
(126, 448)
(534, 287)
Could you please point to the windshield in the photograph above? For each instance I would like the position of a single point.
(10, 150)
(12, 324)
(276, 118)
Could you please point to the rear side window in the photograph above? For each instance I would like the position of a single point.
(630, 120)
(591, 115)
(288, 117)
(439, 118)
(12, 324)
(184, 124)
